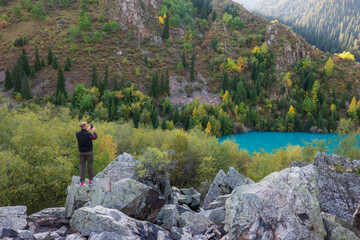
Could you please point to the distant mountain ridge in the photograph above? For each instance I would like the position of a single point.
(332, 26)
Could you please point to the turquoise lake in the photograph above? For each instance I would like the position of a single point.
(269, 141)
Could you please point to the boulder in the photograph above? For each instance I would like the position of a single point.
(49, 219)
(13, 217)
(298, 164)
(105, 236)
(224, 184)
(189, 233)
(168, 216)
(339, 185)
(26, 234)
(87, 220)
(194, 220)
(217, 216)
(186, 196)
(43, 236)
(336, 231)
(118, 187)
(8, 233)
(75, 236)
(219, 202)
(284, 204)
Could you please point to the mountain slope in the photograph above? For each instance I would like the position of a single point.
(332, 26)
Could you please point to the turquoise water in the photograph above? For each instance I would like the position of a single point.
(269, 141)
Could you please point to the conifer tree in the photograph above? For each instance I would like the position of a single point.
(166, 33)
(32, 73)
(94, 77)
(162, 84)
(136, 117)
(37, 65)
(154, 90)
(26, 93)
(177, 117)
(122, 85)
(154, 118)
(49, 57)
(42, 62)
(25, 62)
(192, 68)
(68, 62)
(184, 60)
(17, 76)
(106, 79)
(115, 83)
(163, 124)
(55, 64)
(60, 85)
(225, 84)
(8, 81)
(214, 16)
(167, 82)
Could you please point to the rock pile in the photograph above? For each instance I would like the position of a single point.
(305, 201)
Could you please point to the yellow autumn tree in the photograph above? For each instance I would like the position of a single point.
(242, 63)
(264, 48)
(226, 97)
(161, 20)
(256, 50)
(315, 90)
(346, 55)
(291, 111)
(208, 128)
(352, 108)
(329, 67)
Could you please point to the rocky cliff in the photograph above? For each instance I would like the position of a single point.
(304, 201)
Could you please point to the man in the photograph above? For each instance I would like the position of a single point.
(85, 138)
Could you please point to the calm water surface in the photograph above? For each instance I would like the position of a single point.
(269, 141)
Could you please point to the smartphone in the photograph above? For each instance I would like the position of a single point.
(91, 126)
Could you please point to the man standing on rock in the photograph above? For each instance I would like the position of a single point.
(85, 138)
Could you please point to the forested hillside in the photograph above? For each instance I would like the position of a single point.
(332, 26)
(173, 64)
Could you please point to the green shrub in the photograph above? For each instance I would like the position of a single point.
(101, 17)
(38, 13)
(16, 12)
(5, 17)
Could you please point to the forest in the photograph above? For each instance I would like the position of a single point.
(332, 26)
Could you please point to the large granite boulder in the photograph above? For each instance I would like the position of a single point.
(186, 196)
(284, 204)
(117, 186)
(196, 221)
(224, 184)
(339, 185)
(105, 236)
(49, 219)
(335, 231)
(168, 216)
(88, 220)
(13, 217)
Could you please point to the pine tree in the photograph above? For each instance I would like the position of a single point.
(55, 64)
(214, 16)
(8, 81)
(122, 85)
(136, 117)
(67, 64)
(32, 73)
(154, 118)
(60, 85)
(167, 82)
(105, 84)
(163, 124)
(154, 91)
(26, 93)
(25, 62)
(37, 65)
(166, 33)
(94, 77)
(162, 84)
(177, 117)
(224, 83)
(42, 62)
(192, 68)
(115, 83)
(17, 76)
(49, 57)
(184, 60)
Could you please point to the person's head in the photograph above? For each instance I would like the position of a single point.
(83, 125)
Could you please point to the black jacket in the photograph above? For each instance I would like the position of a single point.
(85, 140)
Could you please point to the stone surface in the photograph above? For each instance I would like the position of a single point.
(217, 216)
(298, 164)
(105, 236)
(8, 233)
(194, 220)
(339, 185)
(284, 204)
(336, 231)
(219, 202)
(118, 187)
(75, 236)
(168, 216)
(42, 236)
(26, 234)
(87, 220)
(49, 219)
(187, 196)
(13, 217)
(224, 184)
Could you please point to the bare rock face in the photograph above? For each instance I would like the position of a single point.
(284, 204)
(138, 16)
(339, 185)
(289, 49)
(88, 220)
(13, 217)
(50, 219)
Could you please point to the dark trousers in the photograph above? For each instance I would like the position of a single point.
(89, 158)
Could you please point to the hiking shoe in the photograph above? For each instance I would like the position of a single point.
(91, 181)
(81, 183)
